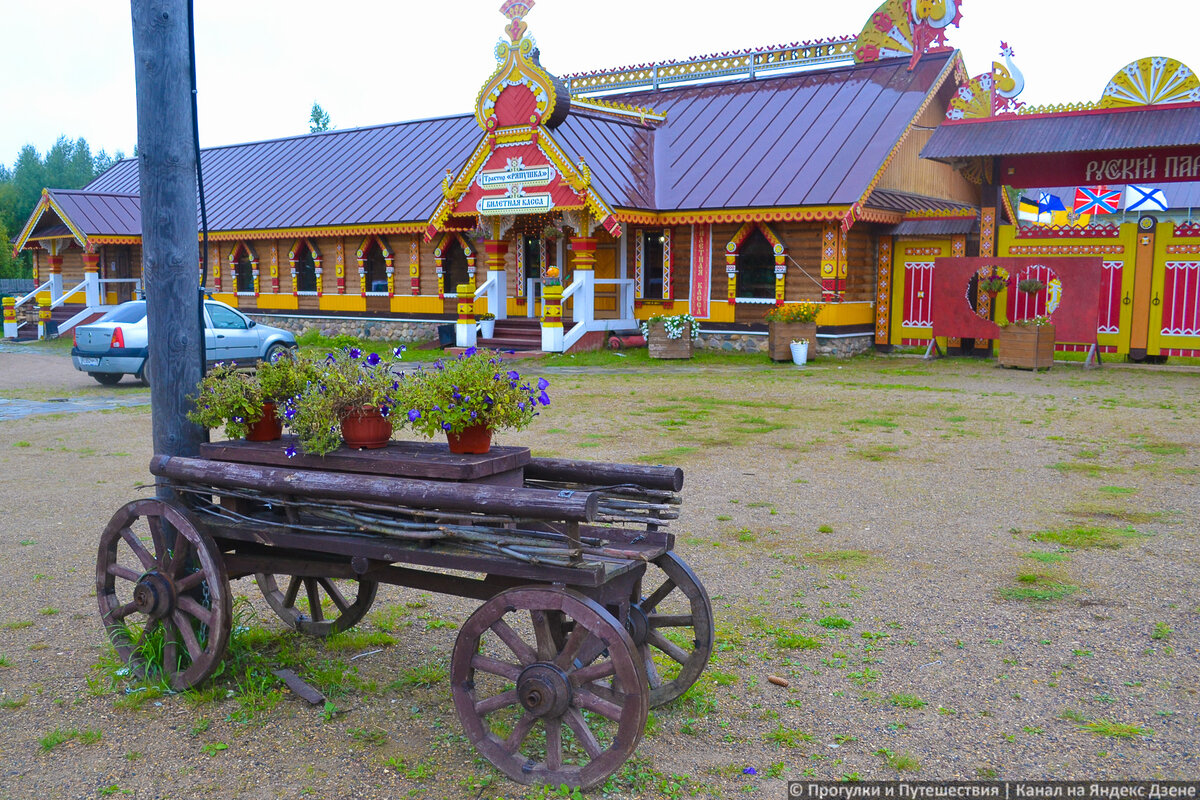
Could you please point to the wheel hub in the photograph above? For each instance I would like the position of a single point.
(154, 595)
(638, 624)
(544, 690)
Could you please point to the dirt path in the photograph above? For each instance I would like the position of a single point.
(870, 530)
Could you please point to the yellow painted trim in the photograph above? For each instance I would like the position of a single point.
(327, 230)
(859, 313)
(279, 301)
(409, 304)
(1164, 236)
(228, 298)
(98, 240)
(518, 311)
(342, 302)
(739, 215)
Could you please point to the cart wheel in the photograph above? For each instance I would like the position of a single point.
(676, 620)
(165, 609)
(310, 618)
(541, 712)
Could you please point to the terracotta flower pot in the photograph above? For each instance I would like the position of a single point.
(366, 429)
(267, 429)
(476, 439)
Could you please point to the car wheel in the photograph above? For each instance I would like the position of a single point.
(144, 373)
(107, 378)
(275, 352)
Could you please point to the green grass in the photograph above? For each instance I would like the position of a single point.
(788, 737)
(795, 641)
(1117, 490)
(358, 640)
(667, 457)
(832, 623)
(1080, 537)
(843, 559)
(1085, 468)
(1115, 730)
(1161, 632)
(1046, 558)
(910, 701)
(424, 676)
(1038, 587)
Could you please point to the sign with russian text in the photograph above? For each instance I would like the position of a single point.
(525, 176)
(1158, 165)
(701, 269)
(515, 203)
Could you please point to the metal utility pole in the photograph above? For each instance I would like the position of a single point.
(170, 252)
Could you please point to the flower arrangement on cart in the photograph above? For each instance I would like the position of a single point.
(360, 399)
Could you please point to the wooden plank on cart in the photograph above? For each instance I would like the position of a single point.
(600, 474)
(424, 460)
(471, 497)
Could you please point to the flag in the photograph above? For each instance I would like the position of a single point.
(1027, 210)
(1144, 198)
(1096, 200)
(1050, 202)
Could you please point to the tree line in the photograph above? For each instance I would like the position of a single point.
(69, 164)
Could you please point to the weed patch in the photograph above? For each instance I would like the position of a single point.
(1081, 537)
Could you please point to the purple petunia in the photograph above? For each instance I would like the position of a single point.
(414, 415)
(373, 359)
(470, 351)
(513, 375)
(543, 383)
(544, 399)
(330, 358)
(473, 415)
(290, 451)
(445, 426)
(398, 351)
(290, 413)
(354, 353)
(749, 771)
(385, 411)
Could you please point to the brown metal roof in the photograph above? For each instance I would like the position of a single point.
(935, 227)
(95, 213)
(892, 200)
(1106, 129)
(388, 173)
(809, 139)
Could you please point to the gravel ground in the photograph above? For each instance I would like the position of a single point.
(861, 526)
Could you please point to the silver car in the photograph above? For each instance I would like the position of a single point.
(117, 343)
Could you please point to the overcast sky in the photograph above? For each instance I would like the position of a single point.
(67, 66)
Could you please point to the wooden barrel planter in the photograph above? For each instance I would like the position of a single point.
(663, 347)
(1026, 346)
(781, 334)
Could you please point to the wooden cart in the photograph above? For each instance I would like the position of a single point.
(585, 606)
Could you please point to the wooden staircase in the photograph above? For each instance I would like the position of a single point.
(29, 331)
(519, 334)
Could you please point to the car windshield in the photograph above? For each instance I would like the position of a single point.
(126, 312)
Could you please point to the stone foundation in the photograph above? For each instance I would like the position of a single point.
(841, 347)
(358, 327)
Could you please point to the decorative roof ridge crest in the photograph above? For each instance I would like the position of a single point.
(709, 56)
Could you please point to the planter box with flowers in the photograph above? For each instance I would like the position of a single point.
(1028, 344)
(671, 337)
(788, 323)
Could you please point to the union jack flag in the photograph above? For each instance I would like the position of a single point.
(1096, 200)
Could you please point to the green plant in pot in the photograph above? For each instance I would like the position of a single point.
(1030, 286)
(340, 393)
(470, 397)
(230, 398)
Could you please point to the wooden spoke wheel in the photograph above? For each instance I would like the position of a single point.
(544, 712)
(165, 607)
(672, 627)
(349, 601)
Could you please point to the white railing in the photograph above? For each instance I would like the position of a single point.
(584, 309)
(625, 289)
(137, 287)
(37, 290)
(533, 291)
(62, 298)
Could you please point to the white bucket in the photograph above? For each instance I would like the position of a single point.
(487, 328)
(799, 353)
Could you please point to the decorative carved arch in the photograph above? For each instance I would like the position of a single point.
(734, 247)
(294, 258)
(235, 255)
(439, 257)
(383, 248)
